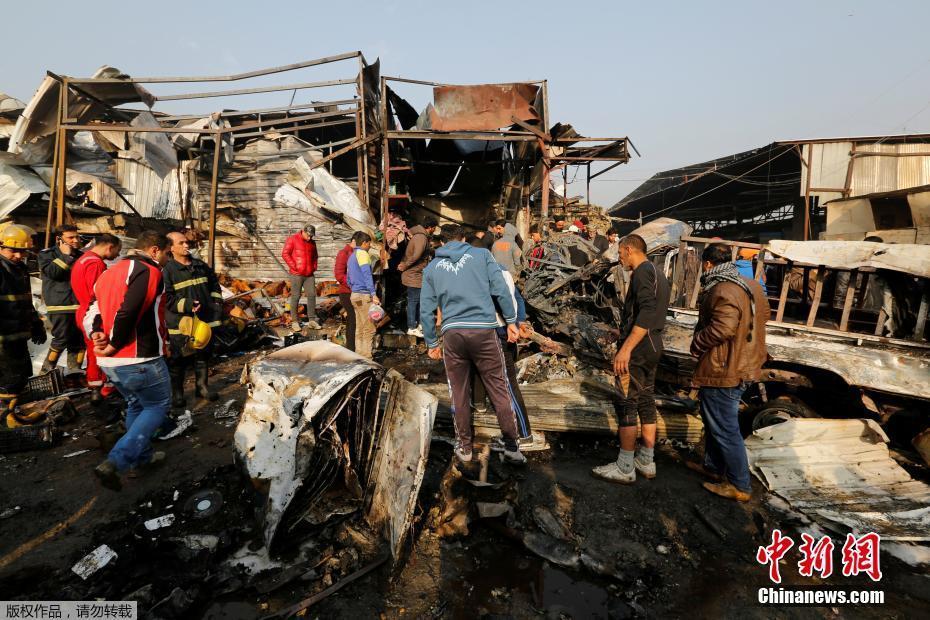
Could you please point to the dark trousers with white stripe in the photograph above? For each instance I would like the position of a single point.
(462, 348)
(479, 393)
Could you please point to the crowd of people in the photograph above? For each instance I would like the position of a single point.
(138, 323)
(463, 299)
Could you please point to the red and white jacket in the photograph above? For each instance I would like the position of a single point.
(84, 275)
(130, 309)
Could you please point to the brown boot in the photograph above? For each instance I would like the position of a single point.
(727, 490)
(699, 468)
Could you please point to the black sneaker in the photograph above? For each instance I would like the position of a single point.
(108, 476)
(514, 457)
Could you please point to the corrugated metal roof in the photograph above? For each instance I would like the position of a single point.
(840, 473)
(870, 173)
(151, 195)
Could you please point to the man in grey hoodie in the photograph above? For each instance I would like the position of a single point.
(467, 286)
(506, 249)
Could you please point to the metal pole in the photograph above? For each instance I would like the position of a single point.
(589, 183)
(217, 137)
(385, 156)
(807, 193)
(362, 108)
(62, 155)
(51, 193)
(544, 203)
(358, 157)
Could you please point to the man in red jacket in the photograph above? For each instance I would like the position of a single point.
(345, 293)
(300, 256)
(126, 323)
(84, 275)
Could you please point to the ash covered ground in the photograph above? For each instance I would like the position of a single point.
(567, 545)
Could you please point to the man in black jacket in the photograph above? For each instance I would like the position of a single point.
(19, 321)
(191, 289)
(60, 303)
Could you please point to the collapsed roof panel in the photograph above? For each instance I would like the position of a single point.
(86, 101)
(840, 473)
(910, 258)
(16, 185)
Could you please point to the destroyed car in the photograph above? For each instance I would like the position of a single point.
(326, 433)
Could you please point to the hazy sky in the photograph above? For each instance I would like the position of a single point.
(687, 81)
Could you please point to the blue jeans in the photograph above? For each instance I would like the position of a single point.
(147, 390)
(413, 307)
(724, 450)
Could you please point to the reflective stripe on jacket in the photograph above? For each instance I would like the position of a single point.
(55, 267)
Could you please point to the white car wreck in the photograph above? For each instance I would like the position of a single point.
(326, 433)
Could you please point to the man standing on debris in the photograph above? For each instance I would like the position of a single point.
(19, 321)
(341, 271)
(642, 324)
(191, 290)
(55, 264)
(729, 342)
(505, 249)
(464, 283)
(479, 393)
(362, 283)
(598, 240)
(613, 245)
(300, 256)
(84, 275)
(536, 250)
(416, 257)
(127, 326)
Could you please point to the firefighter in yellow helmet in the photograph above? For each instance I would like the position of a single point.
(19, 321)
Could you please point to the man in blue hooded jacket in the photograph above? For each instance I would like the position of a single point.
(466, 285)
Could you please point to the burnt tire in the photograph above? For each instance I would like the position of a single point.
(775, 412)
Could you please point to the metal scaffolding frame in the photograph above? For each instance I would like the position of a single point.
(282, 124)
(557, 153)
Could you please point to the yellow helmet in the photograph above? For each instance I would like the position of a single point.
(16, 237)
(198, 333)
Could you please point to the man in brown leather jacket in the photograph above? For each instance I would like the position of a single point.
(729, 342)
(416, 258)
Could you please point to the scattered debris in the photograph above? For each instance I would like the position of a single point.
(159, 522)
(226, 410)
(839, 472)
(184, 422)
(94, 561)
(10, 512)
(204, 503)
(72, 454)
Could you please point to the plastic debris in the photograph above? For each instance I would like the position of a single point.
(94, 561)
(159, 522)
(9, 512)
(226, 410)
(79, 452)
(185, 421)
